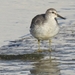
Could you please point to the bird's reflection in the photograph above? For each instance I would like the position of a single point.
(47, 66)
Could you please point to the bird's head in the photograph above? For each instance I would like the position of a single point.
(52, 13)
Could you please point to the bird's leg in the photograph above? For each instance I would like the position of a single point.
(39, 46)
(50, 45)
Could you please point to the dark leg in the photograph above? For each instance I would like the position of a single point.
(38, 44)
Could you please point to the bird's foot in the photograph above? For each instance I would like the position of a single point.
(39, 50)
(50, 50)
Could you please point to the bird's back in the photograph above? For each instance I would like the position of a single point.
(37, 20)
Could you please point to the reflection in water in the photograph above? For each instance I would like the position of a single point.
(46, 67)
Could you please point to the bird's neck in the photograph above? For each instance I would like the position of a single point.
(51, 20)
(49, 17)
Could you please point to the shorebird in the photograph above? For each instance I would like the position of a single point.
(45, 26)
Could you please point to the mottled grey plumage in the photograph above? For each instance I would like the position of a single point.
(38, 20)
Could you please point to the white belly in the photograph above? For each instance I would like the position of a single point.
(46, 31)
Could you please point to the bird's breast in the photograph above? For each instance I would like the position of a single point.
(46, 30)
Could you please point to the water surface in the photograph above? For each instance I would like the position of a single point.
(20, 56)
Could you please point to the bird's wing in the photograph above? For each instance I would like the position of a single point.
(37, 20)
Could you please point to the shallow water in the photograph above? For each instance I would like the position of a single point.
(20, 57)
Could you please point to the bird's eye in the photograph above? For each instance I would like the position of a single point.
(52, 12)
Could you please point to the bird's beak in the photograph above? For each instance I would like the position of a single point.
(61, 16)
